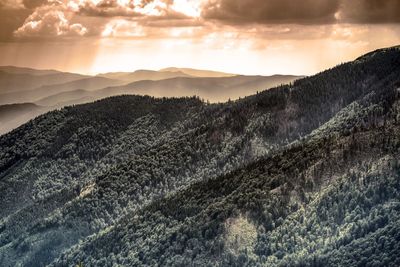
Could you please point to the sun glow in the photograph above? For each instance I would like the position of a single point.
(235, 37)
(190, 8)
(123, 28)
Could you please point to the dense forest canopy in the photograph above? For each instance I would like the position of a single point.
(304, 174)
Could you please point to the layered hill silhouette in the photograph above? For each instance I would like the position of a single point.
(14, 115)
(82, 89)
(198, 73)
(45, 91)
(167, 73)
(22, 70)
(305, 174)
(215, 89)
(13, 79)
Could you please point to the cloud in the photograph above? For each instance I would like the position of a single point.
(45, 18)
(151, 9)
(275, 19)
(123, 28)
(30, 4)
(11, 4)
(49, 21)
(370, 11)
(271, 11)
(109, 8)
(12, 16)
(302, 12)
(172, 23)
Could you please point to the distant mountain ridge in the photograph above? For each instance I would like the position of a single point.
(198, 73)
(24, 70)
(140, 75)
(215, 89)
(166, 73)
(57, 89)
(17, 82)
(33, 95)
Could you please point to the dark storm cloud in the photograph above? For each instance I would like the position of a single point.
(10, 20)
(272, 11)
(33, 3)
(302, 12)
(13, 14)
(370, 11)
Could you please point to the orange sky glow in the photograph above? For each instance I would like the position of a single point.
(245, 37)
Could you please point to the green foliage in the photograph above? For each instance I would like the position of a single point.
(311, 169)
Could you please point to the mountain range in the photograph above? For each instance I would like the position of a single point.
(303, 174)
(50, 90)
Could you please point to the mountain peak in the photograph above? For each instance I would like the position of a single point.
(198, 72)
(378, 51)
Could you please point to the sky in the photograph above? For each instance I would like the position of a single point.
(236, 36)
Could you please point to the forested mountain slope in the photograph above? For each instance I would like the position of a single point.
(331, 201)
(142, 181)
(328, 200)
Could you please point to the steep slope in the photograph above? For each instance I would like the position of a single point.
(325, 202)
(130, 173)
(328, 200)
